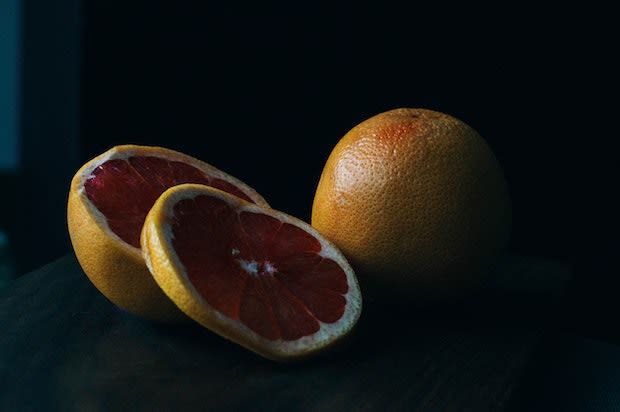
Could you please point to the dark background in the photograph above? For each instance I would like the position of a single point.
(265, 94)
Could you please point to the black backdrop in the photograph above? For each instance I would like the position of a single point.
(264, 95)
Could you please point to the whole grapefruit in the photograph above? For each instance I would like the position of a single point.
(417, 202)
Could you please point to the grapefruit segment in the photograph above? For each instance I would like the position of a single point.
(257, 276)
(108, 201)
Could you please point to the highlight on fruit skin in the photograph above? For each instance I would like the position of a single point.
(417, 202)
(108, 200)
(256, 276)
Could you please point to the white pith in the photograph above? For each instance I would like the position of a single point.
(255, 268)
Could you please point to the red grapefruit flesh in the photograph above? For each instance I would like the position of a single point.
(125, 189)
(257, 276)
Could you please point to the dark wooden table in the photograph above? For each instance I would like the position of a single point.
(64, 347)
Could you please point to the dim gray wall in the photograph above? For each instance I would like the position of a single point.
(48, 130)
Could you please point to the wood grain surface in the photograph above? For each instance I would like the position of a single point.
(64, 347)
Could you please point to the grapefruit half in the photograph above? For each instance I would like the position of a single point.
(259, 277)
(108, 200)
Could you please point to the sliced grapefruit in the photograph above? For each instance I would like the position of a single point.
(259, 277)
(108, 200)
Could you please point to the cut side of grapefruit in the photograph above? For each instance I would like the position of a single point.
(109, 199)
(259, 277)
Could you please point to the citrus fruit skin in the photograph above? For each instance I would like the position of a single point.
(242, 271)
(115, 265)
(417, 202)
